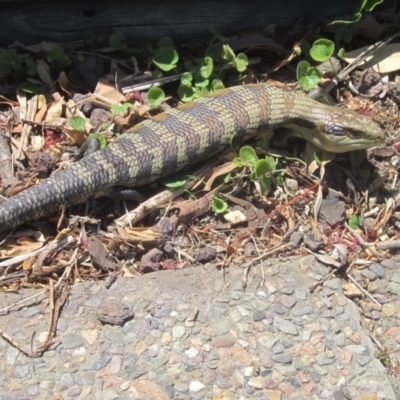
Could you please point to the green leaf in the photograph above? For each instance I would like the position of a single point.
(102, 140)
(216, 85)
(238, 162)
(117, 40)
(155, 96)
(191, 65)
(9, 60)
(201, 92)
(5, 67)
(341, 53)
(343, 34)
(185, 93)
(30, 66)
(55, 53)
(217, 34)
(200, 81)
(218, 205)
(265, 140)
(264, 167)
(302, 69)
(77, 122)
(265, 184)
(227, 53)
(227, 178)
(318, 157)
(176, 182)
(371, 4)
(119, 109)
(361, 6)
(187, 79)
(305, 49)
(356, 18)
(365, 5)
(356, 222)
(62, 61)
(166, 58)
(279, 178)
(272, 162)
(207, 69)
(248, 155)
(322, 50)
(30, 88)
(241, 62)
(307, 76)
(165, 42)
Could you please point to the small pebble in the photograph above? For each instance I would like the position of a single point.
(196, 386)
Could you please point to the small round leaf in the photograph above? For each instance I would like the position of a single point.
(216, 85)
(200, 81)
(248, 155)
(241, 62)
(227, 53)
(30, 66)
(165, 42)
(166, 58)
(185, 93)
(217, 34)
(77, 122)
(207, 69)
(218, 205)
(263, 167)
(307, 76)
(155, 96)
(117, 40)
(187, 79)
(322, 50)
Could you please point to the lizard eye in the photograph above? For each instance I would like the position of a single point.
(341, 131)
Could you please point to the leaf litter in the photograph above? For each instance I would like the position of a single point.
(175, 228)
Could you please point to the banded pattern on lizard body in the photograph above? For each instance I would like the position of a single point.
(186, 135)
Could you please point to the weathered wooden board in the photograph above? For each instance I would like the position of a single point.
(33, 21)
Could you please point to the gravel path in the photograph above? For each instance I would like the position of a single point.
(195, 334)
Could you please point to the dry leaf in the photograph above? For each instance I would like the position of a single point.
(78, 137)
(63, 82)
(22, 246)
(42, 106)
(42, 47)
(43, 70)
(106, 90)
(325, 259)
(285, 61)
(143, 233)
(55, 111)
(384, 60)
(5, 100)
(189, 210)
(27, 263)
(218, 171)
